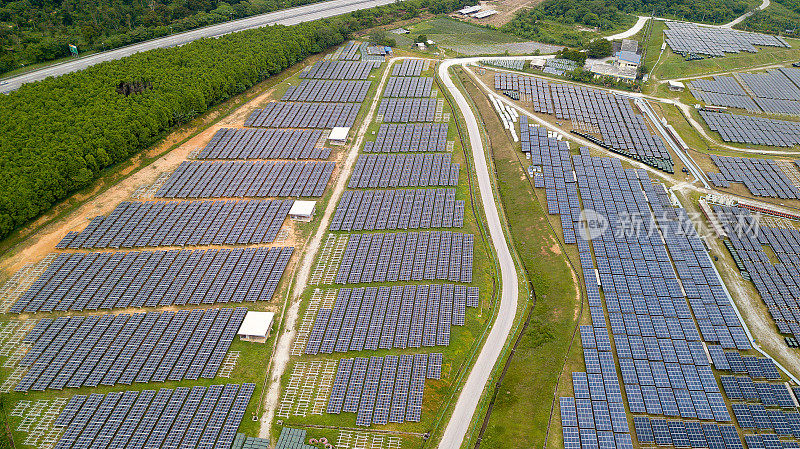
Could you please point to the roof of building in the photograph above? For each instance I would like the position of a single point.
(339, 133)
(302, 208)
(629, 56)
(469, 9)
(256, 323)
(484, 14)
(674, 83)
(629, 45)
(614, 70)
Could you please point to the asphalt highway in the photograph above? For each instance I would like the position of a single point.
(290, 16)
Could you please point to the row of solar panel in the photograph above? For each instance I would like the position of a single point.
(408, 67)
(195, 179)
(411, 137)
(661, 432)
(755, 367)
(404, 170)
(328, 91)
(398, 209)
(401, 317)
(406, 256)
(383, 390)
(281, 114)
(135, 224)
(339, 70)
(109, 349)
(690, 38)
(198, 417)
(105, 280)
(407, 87)
(237, 143)
(762, 177)
(404, 110)
(753, 130)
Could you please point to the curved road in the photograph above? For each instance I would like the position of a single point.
(290, 16)
(473, 388)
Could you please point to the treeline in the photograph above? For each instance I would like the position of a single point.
(41, 30)
(56, 135)
(576, 22)
(780, 17)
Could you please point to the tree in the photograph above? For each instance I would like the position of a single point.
(574, 55)
(599, 48)
(421, 38)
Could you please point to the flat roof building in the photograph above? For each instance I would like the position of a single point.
(338, 135)
(256, 326)
(303, 210)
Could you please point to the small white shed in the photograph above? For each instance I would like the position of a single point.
(303, 210)
(338, 135)
(256, 326)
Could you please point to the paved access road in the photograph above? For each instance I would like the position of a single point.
(473, 388)
(290, 16)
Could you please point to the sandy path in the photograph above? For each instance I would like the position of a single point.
(280, 357)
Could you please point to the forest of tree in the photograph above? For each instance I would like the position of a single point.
(38, 31)
(57, 135)
(781, 17)
(557, 21)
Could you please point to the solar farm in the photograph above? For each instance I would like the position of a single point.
(607, 119)
(772, 92)
(125, 334)
(762, 177)
(751, 130)
(396, 273)
(672, 322)
(692, 39)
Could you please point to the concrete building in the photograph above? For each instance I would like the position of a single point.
(303, 210)
(627, 59)
(676, 86)
(338, 135)
(256, 326)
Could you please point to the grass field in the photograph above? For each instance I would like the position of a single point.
(530, 383)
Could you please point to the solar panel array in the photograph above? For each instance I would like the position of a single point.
(260, 179)
(106, 280)
(372, 318)
(404, 170)
(77, 351)
(753, 130)
(658, 290)
(328, 91)
(340, 70)
(411, 137)
(406, 87)
(777, 283)
(406, 256)
(381, 390)
(762, 177)
(281, 114)
(197, 417)
(723, 91)
(408, 67)
(179, 223)
(662, 432)
(398, 209)
(350, 52)
(611, 116)
(237, 143)
(690, 38)
(404, 110)
(774, 91)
